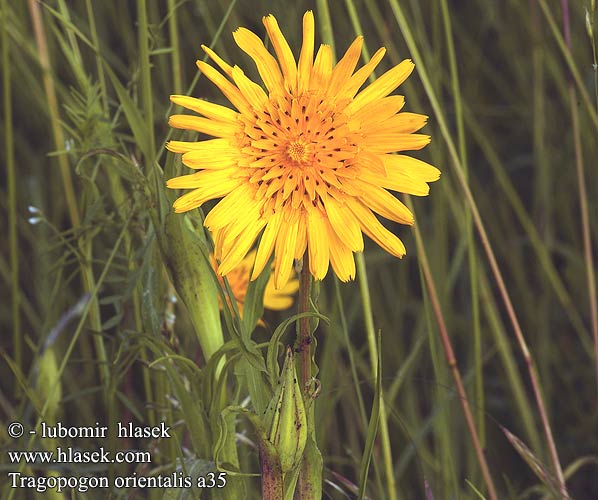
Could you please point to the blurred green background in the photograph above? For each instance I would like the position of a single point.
(84, 123)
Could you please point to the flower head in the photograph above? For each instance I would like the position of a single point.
(304, 162)
(238, 280)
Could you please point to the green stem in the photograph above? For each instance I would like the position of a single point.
(575, 73)
(99, 65)
(325, 22)
(304, 338)
(174, 43)
(583, 202)
(272, 481)
(145, 81)
(468, 227)
(50, 90)
(371, 336)
(12, 194)
(307, 474)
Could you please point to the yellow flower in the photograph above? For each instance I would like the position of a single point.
(306, 162)
(238, 280)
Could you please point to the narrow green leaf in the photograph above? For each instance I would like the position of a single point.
(138, 125)
(272, 355)
(228, 458)
(253, 307)
(372, 426)
(312, 462)
(154, 290)
(259, 389)
(475, 490)
(254, 420)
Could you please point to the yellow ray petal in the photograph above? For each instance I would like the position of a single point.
(276, 302)
(341, 257)
(344, 224)
(384, 203)
(377, 111)
(232, 237)
(318, 244)
(389, 142)
(266, 245)
(208, 109)
(252, 92)
(237, 227)
(224, 66)
(371, 226)
(412, 167)
(307, 53)
(301, 243)
(224, 243)
(383, 85)
(231, 92)
(280, 299)
(211, 159)
(238, 250)
(217, 237)
(290, 288)
(283, 52)
(204, 125)
(371, 162)
(265, 63)
(199, 196)
(229, 208)
(211, 146)
(284, 253)
(345, 67)
(322, 69)
(200, 179)
(350, 87)
(397, 181)
(403, 123)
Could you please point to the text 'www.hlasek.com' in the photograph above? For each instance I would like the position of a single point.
(47, 466)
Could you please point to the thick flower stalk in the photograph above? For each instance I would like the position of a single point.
(306, 162)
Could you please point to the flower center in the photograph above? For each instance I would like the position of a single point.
(297, 151)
